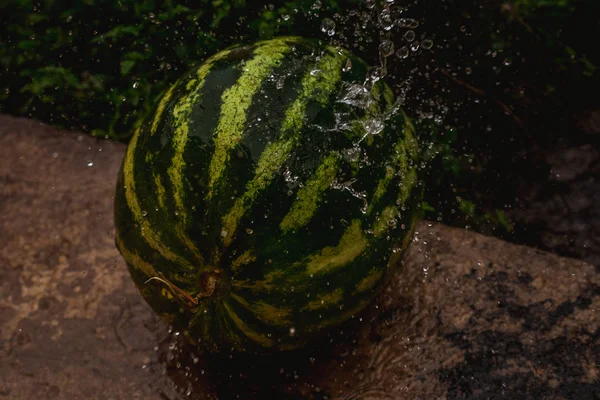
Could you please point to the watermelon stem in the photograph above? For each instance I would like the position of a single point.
(181, 296)
(208, 284)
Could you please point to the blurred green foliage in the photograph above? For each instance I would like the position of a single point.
(98, 65)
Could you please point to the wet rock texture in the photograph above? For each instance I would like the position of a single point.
(465, 317)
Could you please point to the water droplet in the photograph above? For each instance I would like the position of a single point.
(292, 331)
(285, 17)
(374, 126)
(409, 36)
(386, 19)
(402, 52)
(347, 66)
(408, 23)
(507, 61)
(144, 213)
(90, 164)
(316, 5)
(427, 44)
(328, 26)
(280, 83)
(249, 231)
(136, 85)
(468, 70)
(224, 233)
(414, 46)
(376, 74)
(386, 48)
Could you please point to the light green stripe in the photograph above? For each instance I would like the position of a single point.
(181, 114)
(267, 285)
(317, 85)
(410, 138)
(326, 300)
(265, 312)
(352, 244)
(133, 259)
(409, 172)
(235, 103)
(149, 235)
(246, 258)
(404, 148)
(382, 186)
(309, 196)
(408, 183)
(382, 224)
(161, 109)
(369, 281)
(261, 339)
(160, 191)
(345, 316)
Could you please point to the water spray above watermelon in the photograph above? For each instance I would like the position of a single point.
(267, 196)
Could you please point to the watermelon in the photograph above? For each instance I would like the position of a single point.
(265, 198)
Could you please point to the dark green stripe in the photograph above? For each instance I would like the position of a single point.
(317, 86)
(237, 99)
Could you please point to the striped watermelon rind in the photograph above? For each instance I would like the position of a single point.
(266, 197)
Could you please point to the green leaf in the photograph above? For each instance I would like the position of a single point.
(467, 207)
(504, 221)
(117, 33)
(126, 66)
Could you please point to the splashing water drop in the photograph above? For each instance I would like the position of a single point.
(408, 23)
(347, 66)
(427, 44)
(376, 74)
(328, 26)
(386, 48)
(280, 83)
(402, 52)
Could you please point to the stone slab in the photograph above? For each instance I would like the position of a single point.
(465, 317)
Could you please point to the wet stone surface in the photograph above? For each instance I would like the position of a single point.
(465, 317)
